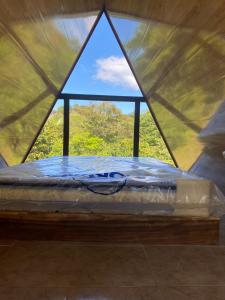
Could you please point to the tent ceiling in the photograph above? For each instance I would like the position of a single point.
(179, 59)
(36, 54)
(192, 13)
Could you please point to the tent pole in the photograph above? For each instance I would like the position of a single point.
(66, 127)
(136, 128)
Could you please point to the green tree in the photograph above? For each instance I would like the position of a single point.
(99, 129)
(50, 141)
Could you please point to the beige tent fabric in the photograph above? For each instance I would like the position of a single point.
(37, 50)
(178, 55)
(177, 52)
(192, 13)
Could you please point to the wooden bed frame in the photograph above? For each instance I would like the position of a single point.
(21, 225)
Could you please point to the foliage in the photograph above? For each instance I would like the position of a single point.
(49, 142)
(99, 129)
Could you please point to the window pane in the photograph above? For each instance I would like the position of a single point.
(102, 68)
(50, 141)
(151, 143)
(101, 128)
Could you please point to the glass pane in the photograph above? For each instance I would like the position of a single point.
(101, 128)
(50, 141)
(102, 69)
(181, 69)
(37, 49)
(151, 143)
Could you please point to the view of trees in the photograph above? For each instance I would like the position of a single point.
(99, 129)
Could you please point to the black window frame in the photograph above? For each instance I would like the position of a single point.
(66, 97)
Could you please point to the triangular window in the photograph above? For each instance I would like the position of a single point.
(102, 68)
(103, 108)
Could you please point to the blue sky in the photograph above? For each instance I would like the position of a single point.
(102, 69)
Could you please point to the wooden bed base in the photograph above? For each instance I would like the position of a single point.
(108, 228)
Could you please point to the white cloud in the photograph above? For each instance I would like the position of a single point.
(115, 70)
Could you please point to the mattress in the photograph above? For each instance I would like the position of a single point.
(107, 185)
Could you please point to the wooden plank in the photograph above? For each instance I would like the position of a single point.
(108, 228)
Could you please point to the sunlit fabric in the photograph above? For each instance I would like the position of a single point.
(176, 47)
(38, 45)
(182, 72)
(194, 14)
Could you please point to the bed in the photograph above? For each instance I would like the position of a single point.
(108, 187)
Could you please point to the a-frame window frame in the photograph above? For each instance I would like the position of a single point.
(67, 97)
(66, 119)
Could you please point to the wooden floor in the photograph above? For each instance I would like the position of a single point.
(45, 270)
(108, 228)
(66, 270)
